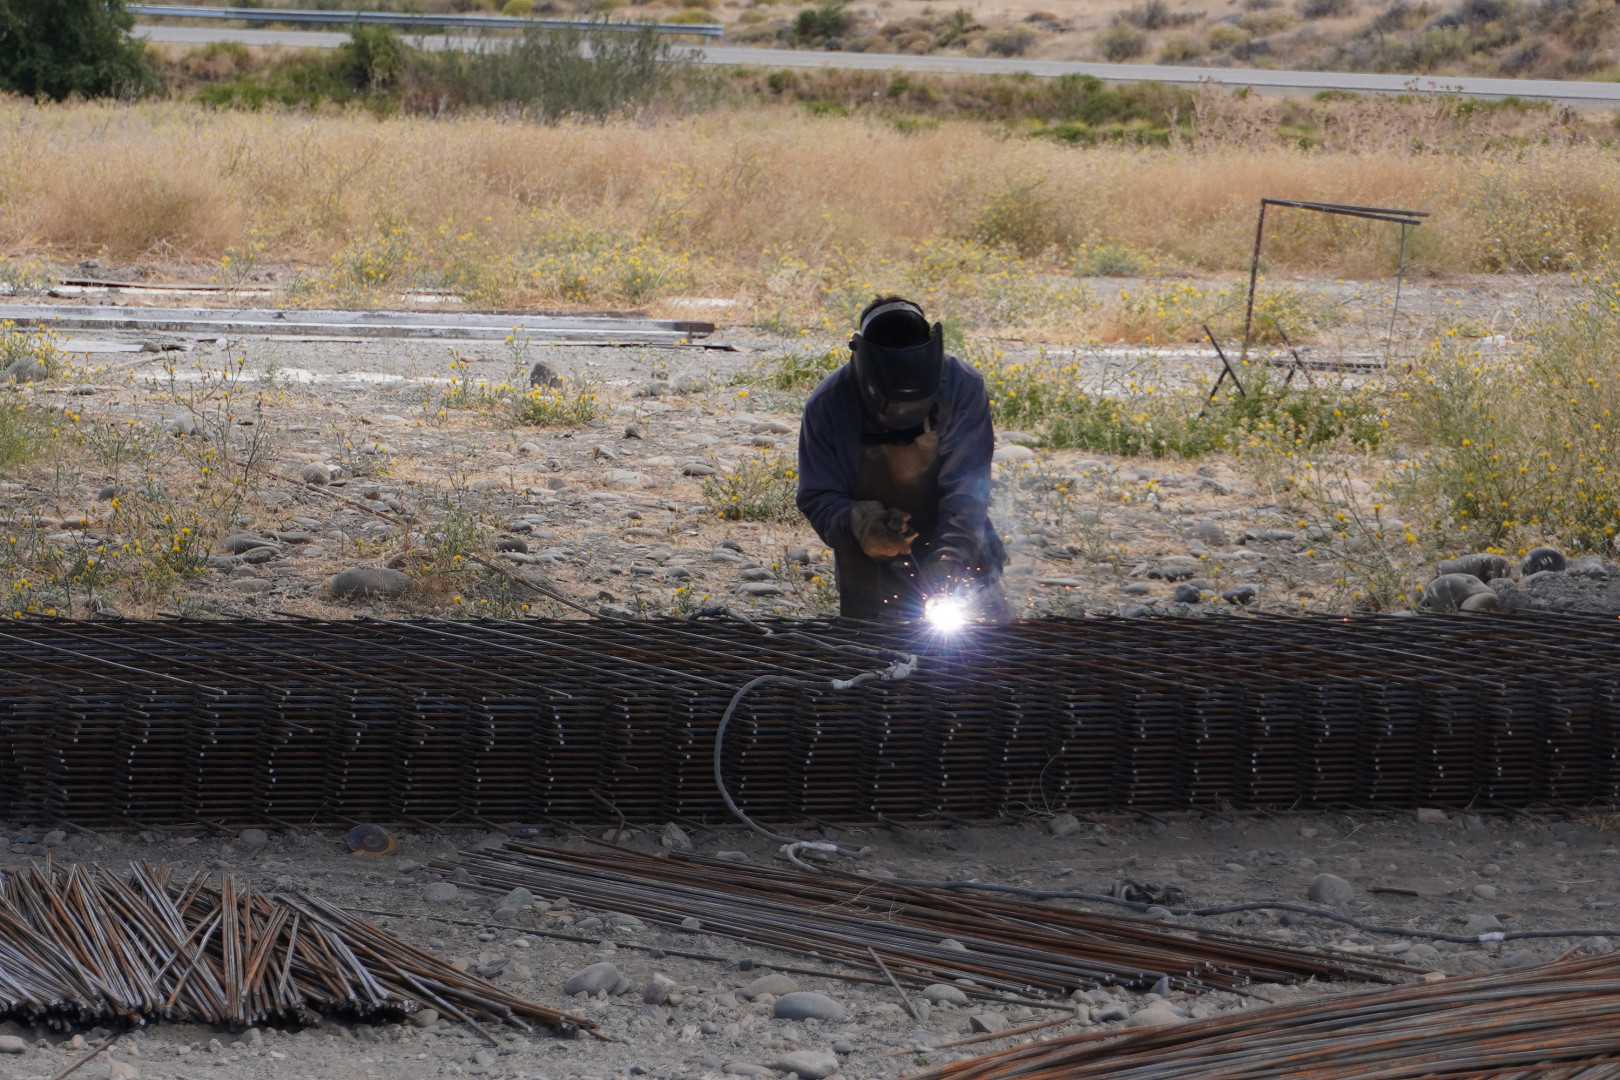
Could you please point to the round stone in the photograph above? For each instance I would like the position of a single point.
(1486, 601)
(776, 984)
(942, 993)
(10, 1044)
(807, 1005)
(1542, 558)
(316, 473)
(1480, 564)
(1329, 889)
(367, 582)
(1482, 924)
(1243, 594)
(237, 543)
(1012, 453)
(1448, 591)
(440, 892)
(809, 1064)
(596, 979)
(1155, 1016)
(1187, 593)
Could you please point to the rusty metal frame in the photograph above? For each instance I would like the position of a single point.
(1406, 219)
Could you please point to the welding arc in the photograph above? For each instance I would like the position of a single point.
(1550, 1022)
(1001, 945)
(80, 946)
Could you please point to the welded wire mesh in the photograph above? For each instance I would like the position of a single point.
(302, 721)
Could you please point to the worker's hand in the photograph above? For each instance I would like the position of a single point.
(946, 570)
(883, 533)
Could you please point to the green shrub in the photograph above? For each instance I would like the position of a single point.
(1179, 48)
(373, 59)
(62, 48)
(813, 26)
(759, 489)
(552, 74)
(1009, 41)
(1325, 9)
(1121, 41)
(23, 434)
(555, 408)
(1522, 450)
(1023, 218)
(798, 370)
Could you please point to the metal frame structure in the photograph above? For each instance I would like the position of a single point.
(1406, 219)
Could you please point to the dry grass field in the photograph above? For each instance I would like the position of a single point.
(795, 218)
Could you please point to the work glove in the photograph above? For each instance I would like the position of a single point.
(882, 532)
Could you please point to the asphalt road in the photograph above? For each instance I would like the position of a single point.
(1300, 82)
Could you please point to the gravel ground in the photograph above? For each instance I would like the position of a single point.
(1526, 872)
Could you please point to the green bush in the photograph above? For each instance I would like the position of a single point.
(1522, 449)
(812, 26)
(551, 74)
(758, 489)
(1122, 41)
(63, 48)
(798, 370)
(373, 59)
(1023, 218)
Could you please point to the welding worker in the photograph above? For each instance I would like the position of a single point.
(894, 471)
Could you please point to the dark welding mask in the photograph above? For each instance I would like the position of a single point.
(899, 362)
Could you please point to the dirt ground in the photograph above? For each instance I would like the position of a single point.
(1529, 872)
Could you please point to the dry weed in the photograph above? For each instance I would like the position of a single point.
(759, 205)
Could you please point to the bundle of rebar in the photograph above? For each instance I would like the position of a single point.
(920, 934)
(172, 722)
(80, 946)
(1550, 1022)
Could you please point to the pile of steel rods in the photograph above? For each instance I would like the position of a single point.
(181, 722)
(1550, 1022)
(1000, 945)
(80, 946)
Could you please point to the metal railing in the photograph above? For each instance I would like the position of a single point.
(409, 20)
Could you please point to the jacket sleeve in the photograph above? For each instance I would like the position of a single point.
(966, 441)
(826, 472)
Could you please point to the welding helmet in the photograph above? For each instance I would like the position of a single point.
(899, 361)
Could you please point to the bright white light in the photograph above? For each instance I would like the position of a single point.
(946, 614)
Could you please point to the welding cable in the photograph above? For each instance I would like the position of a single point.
(899, 666)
